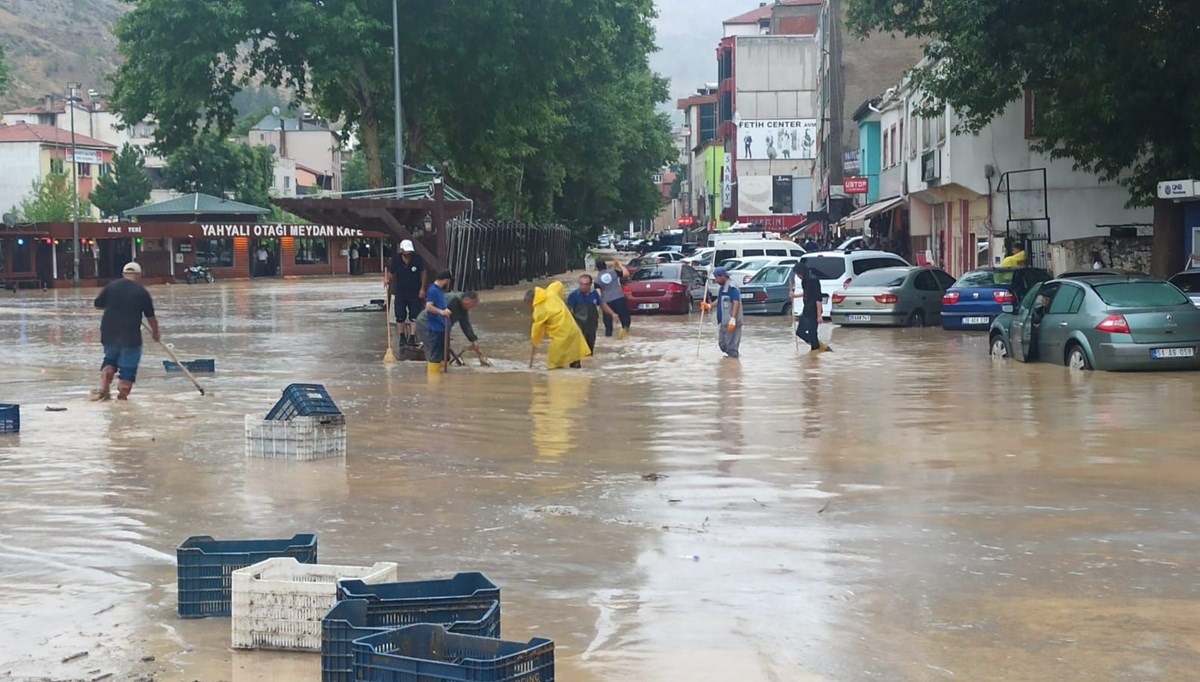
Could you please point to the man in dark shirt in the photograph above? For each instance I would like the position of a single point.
(124, 303)
(810, 315)
(406, 279)
(586, 304)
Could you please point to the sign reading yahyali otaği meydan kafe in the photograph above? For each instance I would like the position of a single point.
(777, 139)
(279, 230)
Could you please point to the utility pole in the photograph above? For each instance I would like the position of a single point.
(75, 188)
(399, 114)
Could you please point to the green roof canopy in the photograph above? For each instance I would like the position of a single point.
(196, 204)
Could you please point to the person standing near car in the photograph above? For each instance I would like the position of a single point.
(812, 312)
(728, 305)
(613, 295)
(407, 279)
(124, 302)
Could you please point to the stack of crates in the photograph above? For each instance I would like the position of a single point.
(304, 425)
(205, 566)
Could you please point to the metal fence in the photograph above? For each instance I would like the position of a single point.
(488, 254)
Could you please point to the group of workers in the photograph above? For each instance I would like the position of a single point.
(728, 307)
(425, 311)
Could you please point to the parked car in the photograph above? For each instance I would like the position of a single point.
(702, 258)
(605, 241)
(1102, 322)
(769, 291)
(756, 248)
(751, 267)
(979, 296)
(664, 288)
(909, 296)
(837, 269)
(1188, 281)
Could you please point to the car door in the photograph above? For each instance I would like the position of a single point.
(1056, 326)
(1020, 333)
(928, 293)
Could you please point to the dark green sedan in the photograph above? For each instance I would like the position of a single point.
(1104, 322)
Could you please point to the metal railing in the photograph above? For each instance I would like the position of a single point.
(488, 254)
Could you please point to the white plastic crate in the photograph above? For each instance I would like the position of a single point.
(279, 603)
(302, 438)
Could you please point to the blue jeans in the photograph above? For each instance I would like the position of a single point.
(806, 329)
(125, 359)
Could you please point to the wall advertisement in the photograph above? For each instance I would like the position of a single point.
(777, 139)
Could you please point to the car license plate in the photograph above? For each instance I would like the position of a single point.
(858, 318)
(647, 306)
(977, 320)
(1163, 353)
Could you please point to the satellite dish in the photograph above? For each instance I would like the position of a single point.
(10, 221)
(275, 111)
(271, 148)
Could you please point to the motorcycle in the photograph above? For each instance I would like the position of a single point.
(198, 273)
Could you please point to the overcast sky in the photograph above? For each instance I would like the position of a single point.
(688, 33)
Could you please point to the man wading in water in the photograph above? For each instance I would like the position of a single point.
(613, 296)
(124, 302)
(810, 315)
(585, 304)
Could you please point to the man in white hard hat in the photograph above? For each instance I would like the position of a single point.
(407, 278)
(124, 303)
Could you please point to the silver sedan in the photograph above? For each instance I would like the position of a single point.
(890, 297)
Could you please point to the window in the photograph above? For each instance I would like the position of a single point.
(708, 124)
(886, 145)
(914, 141)
(215, 253)
(83, 170)
(56, 166)
(945, 280)
(726, 106)
(746, 253)
(724, 255)
(669, 271)
(287, 182)
(900, 142)
(1070, 297)
(1141, 294)
(312, 251)
(884, 277)
(895, 144)
(826, 267)
(104, 170)
(927, 282)
(658, 178)
(939, 124)
(777, 252)
(926, 132)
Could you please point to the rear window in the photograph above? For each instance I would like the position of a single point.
(725, 254)
(1190, 282)
(666, 271)
(979, 279)
(880, 278)
(771, 275)
(1140, 294)
(826, 267)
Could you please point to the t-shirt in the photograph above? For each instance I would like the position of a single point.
(725, 300)
(609, 284)
(812, 294)
(583, 307)
(406, 277)
(458, 315)
(435, 295)
(124, 303)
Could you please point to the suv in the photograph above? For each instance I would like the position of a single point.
(836, 269)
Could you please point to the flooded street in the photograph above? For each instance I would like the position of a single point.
(902, 509)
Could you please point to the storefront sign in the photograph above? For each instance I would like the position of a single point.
(851, 164)
(727, 182)
(857, 185)
(297, 231)
(1177, 189)
(185, 247)
(777, 139)
(124, 229)
(84, 156)
(772, 223)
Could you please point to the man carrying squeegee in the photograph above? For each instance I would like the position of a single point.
(124, 302)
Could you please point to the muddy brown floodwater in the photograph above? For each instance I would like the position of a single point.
(901, 509)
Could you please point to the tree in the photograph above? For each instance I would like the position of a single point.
(126, 186)
(3, 73)
(1106, 75)
(215, 166)
(50, 201)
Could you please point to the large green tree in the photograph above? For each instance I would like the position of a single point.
(50, 201)
(3, 72)
(1109, 76)
(212, 165)
(126, 186)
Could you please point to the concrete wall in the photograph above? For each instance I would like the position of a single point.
(22, 165)
(1126, 255)
(317, 149)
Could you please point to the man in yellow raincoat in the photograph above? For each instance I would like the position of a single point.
(552, 318)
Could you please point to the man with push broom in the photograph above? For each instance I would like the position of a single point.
(439, 321)
(460, 307)
(124, 303)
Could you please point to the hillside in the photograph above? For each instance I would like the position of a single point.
(52, 42)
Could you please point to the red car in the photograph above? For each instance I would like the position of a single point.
(664, 288)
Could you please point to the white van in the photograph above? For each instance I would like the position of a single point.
(836, 269)
(715, 238)
(755, 248)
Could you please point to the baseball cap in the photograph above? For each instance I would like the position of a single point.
(720, 272)
(445, 274)
(131, 268)
(407, 245)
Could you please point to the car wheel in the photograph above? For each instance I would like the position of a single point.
(1077, 358)
(917, 319)
(787, 309)
(999, 348)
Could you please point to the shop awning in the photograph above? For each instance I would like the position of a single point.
(810, 225)
(871, 210)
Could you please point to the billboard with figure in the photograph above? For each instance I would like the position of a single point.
(777, 139)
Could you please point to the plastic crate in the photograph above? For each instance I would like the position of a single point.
(10, 418)
(192, 366)
(462, 588)
(204, 567)
(428, 653)
(301, 439)
(279, 603)
(353, 619)
(303, 400)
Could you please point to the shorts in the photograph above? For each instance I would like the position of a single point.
(125, 359)
(408, 307)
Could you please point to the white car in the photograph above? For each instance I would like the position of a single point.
(700, 259)
(837, 269)
(668, 256)
(748, 268)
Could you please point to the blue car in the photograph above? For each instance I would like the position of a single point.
(769, 292)
(979, 296)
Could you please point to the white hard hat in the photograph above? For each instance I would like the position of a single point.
(131, 268)
(407, 245)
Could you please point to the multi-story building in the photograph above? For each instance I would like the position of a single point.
(699, 132)
(308, 154)
(30, 152)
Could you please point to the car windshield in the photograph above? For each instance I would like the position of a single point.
(1188, 281)
(752, 264)
(1140, 295)
(886, 277)
(980, 279)
(653, 272)
(826, 267)
(776, 274)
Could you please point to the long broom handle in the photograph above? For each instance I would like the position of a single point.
(700, 331)
(177, 360)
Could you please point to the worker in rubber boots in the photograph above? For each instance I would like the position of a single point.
(729, 314)
(439, 320)
(460, 306)
(552, 318)
(612, 293)
(124, 302)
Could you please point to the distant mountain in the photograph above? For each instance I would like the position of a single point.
(688, 33)
(50, 43)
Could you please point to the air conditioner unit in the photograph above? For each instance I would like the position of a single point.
(931, 165)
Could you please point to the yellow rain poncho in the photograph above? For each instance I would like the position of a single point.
(552, 318)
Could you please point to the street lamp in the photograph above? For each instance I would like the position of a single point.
(75, 188)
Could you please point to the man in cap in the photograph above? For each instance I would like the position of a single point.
(586, 305)
(407, 279)
(460, 306)
(439, 319)
(124, 302)
(608, 281)
(729, 313)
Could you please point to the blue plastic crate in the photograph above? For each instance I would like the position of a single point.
(428, 653)
(10, 418)
(353, 619)
(193, 366)
(303, 400)
(204, 567)
(463, 587)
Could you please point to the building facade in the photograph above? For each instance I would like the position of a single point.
(308, 154)
(30, 152)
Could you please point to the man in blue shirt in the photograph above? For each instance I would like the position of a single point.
(729, 314)
(439, 318)
(584, 302)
